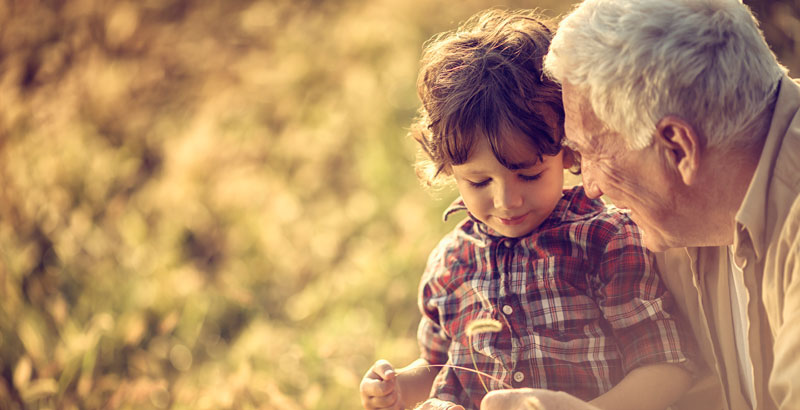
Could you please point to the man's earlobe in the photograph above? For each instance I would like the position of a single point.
(681, 144)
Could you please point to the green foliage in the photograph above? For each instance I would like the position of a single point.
(210, 204)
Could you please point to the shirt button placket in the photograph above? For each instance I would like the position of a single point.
(507, 309)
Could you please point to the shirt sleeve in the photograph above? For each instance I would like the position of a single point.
(637, 305)
(433, 341)
(784, 381)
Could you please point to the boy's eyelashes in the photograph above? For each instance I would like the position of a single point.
(480, 184)
(485, 182)
(530, 177)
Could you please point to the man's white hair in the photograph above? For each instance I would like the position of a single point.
(705, 61)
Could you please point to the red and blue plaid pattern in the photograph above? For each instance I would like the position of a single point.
(579, 298)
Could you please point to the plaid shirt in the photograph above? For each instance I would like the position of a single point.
(579, 299)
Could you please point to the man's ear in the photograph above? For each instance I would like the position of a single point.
(681, 145)
(569, 158)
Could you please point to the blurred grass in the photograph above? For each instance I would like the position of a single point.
(211, 205)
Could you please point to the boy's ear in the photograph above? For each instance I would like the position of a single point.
(681, 146)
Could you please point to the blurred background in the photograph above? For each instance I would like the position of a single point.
(211, 204)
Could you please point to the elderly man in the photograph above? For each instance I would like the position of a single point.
(683, 116)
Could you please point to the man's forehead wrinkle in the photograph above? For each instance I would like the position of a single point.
(604, 142)
(597, 136)
(585, 132)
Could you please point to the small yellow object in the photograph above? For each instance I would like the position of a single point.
(479, 326)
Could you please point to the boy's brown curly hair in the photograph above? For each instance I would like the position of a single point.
(484, 79)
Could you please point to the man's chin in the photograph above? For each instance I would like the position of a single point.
(656, 248)
(653, 243)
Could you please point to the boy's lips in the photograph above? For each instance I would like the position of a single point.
(516, 220)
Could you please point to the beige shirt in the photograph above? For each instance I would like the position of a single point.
(767, 247)
(739, 301)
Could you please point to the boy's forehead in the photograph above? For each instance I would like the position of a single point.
(514, 148)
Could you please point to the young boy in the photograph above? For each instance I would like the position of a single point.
(570, 295)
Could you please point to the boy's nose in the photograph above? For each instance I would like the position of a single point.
(508, 197)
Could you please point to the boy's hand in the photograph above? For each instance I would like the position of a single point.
(379, 388)
(436, 404)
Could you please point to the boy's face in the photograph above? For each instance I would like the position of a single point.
(511, 202)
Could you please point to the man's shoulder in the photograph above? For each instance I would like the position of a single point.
(790, 232)
(787, 162)
(785, 129)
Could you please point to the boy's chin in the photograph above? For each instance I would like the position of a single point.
(514, 233)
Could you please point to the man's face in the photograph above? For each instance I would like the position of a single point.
(637, 180)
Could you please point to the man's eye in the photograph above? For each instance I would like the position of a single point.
(530, 177)
(480, 184)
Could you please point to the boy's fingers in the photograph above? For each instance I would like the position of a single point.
(384, 402)
(376, 403)
(384, 370)
(436, 404)
(376, 388)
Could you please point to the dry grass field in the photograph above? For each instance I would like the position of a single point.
(211, 204)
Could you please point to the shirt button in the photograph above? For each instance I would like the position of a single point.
(507, 310)
(508, 243)
(519, 377)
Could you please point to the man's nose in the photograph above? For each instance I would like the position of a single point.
(589, 182)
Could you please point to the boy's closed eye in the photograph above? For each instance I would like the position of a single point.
(480, 184)
(523, 177)
(533, 177)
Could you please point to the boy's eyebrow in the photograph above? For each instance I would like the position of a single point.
(513, 166)
(522, 165)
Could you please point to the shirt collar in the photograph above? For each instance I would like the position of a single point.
(751, 218)
(573, 206)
